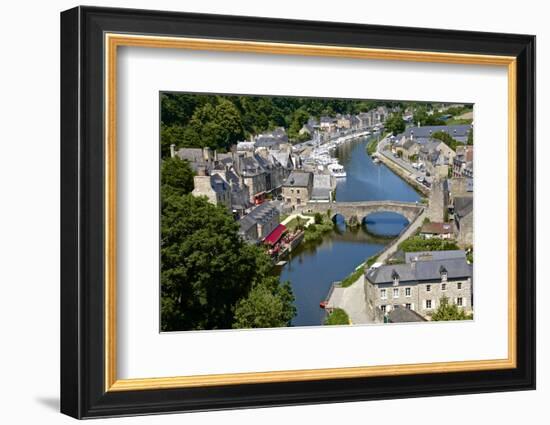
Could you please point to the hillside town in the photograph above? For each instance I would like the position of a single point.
(278, 190)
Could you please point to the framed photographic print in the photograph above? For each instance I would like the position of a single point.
(261, 212)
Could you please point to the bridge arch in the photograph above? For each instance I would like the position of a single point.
(359, 210)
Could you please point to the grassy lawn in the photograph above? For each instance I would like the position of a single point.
(371, 146)
(315, 232)
(458, 121)
(291, 225)
(337, 317)
(351, 278)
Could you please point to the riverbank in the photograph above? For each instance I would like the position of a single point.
(404, 174)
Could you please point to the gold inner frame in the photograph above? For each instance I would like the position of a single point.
(113, 41)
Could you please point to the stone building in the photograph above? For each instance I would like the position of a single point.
(214, 187)
(420, 286)
(259, 223)
(464, 219)
(439, 201)
(297, 189)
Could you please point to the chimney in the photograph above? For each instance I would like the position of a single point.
(412, 135)
(172, 150)
(206, 153)
(201, 171)
(215, 155)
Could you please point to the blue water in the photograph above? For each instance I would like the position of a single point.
(313, 268)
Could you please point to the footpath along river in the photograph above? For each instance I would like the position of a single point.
(312, 268)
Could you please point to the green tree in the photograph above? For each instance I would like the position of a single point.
(395, 123)
(446, 138)
(422, 117)
(418, 243)
(449, 311)
(206, 268)
(269, 304)
(177, 175)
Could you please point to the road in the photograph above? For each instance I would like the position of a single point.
(352, 301)
(406, 165)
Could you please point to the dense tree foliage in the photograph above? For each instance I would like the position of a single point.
(210, 278)
(189, 120)
(395, 124)
(269, 304)
(447, 139)
(176, 176)
(449, 311)
(418, 243)
(422, 117)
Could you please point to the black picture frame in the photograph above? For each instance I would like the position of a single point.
(82, 212)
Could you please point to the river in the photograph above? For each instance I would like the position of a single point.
(311, 269)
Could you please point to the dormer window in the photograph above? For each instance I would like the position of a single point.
(443, 273)
(395, 277)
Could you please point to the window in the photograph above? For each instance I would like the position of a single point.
(288, 200)
(407, 292)
(298, 201)
(459, 285)
(443, 286)
(428, 303)
(297, 190)
(383, 308)
(428, 288)
(408, 306)
(459, 301)
(291, 190)
(396, 292)
(383, 294)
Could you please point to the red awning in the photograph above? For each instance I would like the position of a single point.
(274, 236)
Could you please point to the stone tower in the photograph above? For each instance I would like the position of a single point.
(438, 200)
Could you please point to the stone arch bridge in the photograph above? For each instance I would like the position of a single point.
(361, 209)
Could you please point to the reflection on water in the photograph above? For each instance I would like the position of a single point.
(313, 267)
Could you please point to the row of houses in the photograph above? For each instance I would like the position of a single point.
(417, 144)
(238, 179)
(328, 124)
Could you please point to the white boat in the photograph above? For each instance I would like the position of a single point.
(375, 160)
(337, 170)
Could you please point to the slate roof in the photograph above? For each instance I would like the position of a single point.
(298, 179)
(403, 315)
(458, 132)
(190, 154)
(463, 205)
(218, 183)
(261, 214)
(420, 271)
(322, 181)
(407, 144)
(282, 158)
(434, 255)
(320, 193)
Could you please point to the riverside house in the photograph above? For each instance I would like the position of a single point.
(297, 188)
(419, 285)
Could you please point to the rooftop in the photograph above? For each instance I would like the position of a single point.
(436, 228)
(434, 255)
(404, 315)
(420, 271)
(298, 179)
